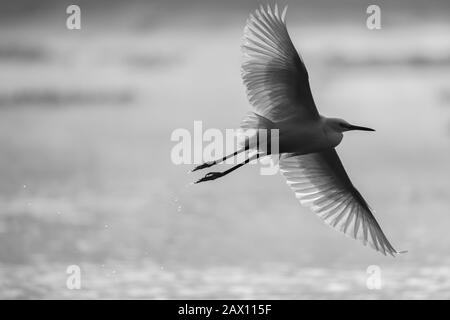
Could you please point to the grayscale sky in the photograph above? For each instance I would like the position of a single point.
(87, 178)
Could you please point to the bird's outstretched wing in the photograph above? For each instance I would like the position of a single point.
(273, 72)
(320, 182)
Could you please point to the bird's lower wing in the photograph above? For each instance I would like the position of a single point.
(320, 182)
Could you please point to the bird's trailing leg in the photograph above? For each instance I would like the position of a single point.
(212, 163)
(214, 175)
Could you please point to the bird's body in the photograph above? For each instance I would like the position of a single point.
(312, 136)
(278, 88)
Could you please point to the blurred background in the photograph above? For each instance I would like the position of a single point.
(86, 176)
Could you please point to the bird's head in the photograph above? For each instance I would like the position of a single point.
(340, 125)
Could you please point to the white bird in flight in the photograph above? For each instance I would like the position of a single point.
(278, 88)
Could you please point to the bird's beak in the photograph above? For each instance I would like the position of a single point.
(352, 127)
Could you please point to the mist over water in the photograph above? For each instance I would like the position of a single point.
(86, 176)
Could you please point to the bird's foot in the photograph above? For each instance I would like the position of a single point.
(210, 176)
(203, 166)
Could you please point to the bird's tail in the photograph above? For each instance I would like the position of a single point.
(257, 133)
(249, 139)
(255, 121)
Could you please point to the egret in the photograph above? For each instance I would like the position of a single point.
(277, 84)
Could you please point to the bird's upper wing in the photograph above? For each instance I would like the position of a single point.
(320, 182)
(273, 72)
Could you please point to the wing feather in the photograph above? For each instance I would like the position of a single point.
(320, 182)
(273, 72)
